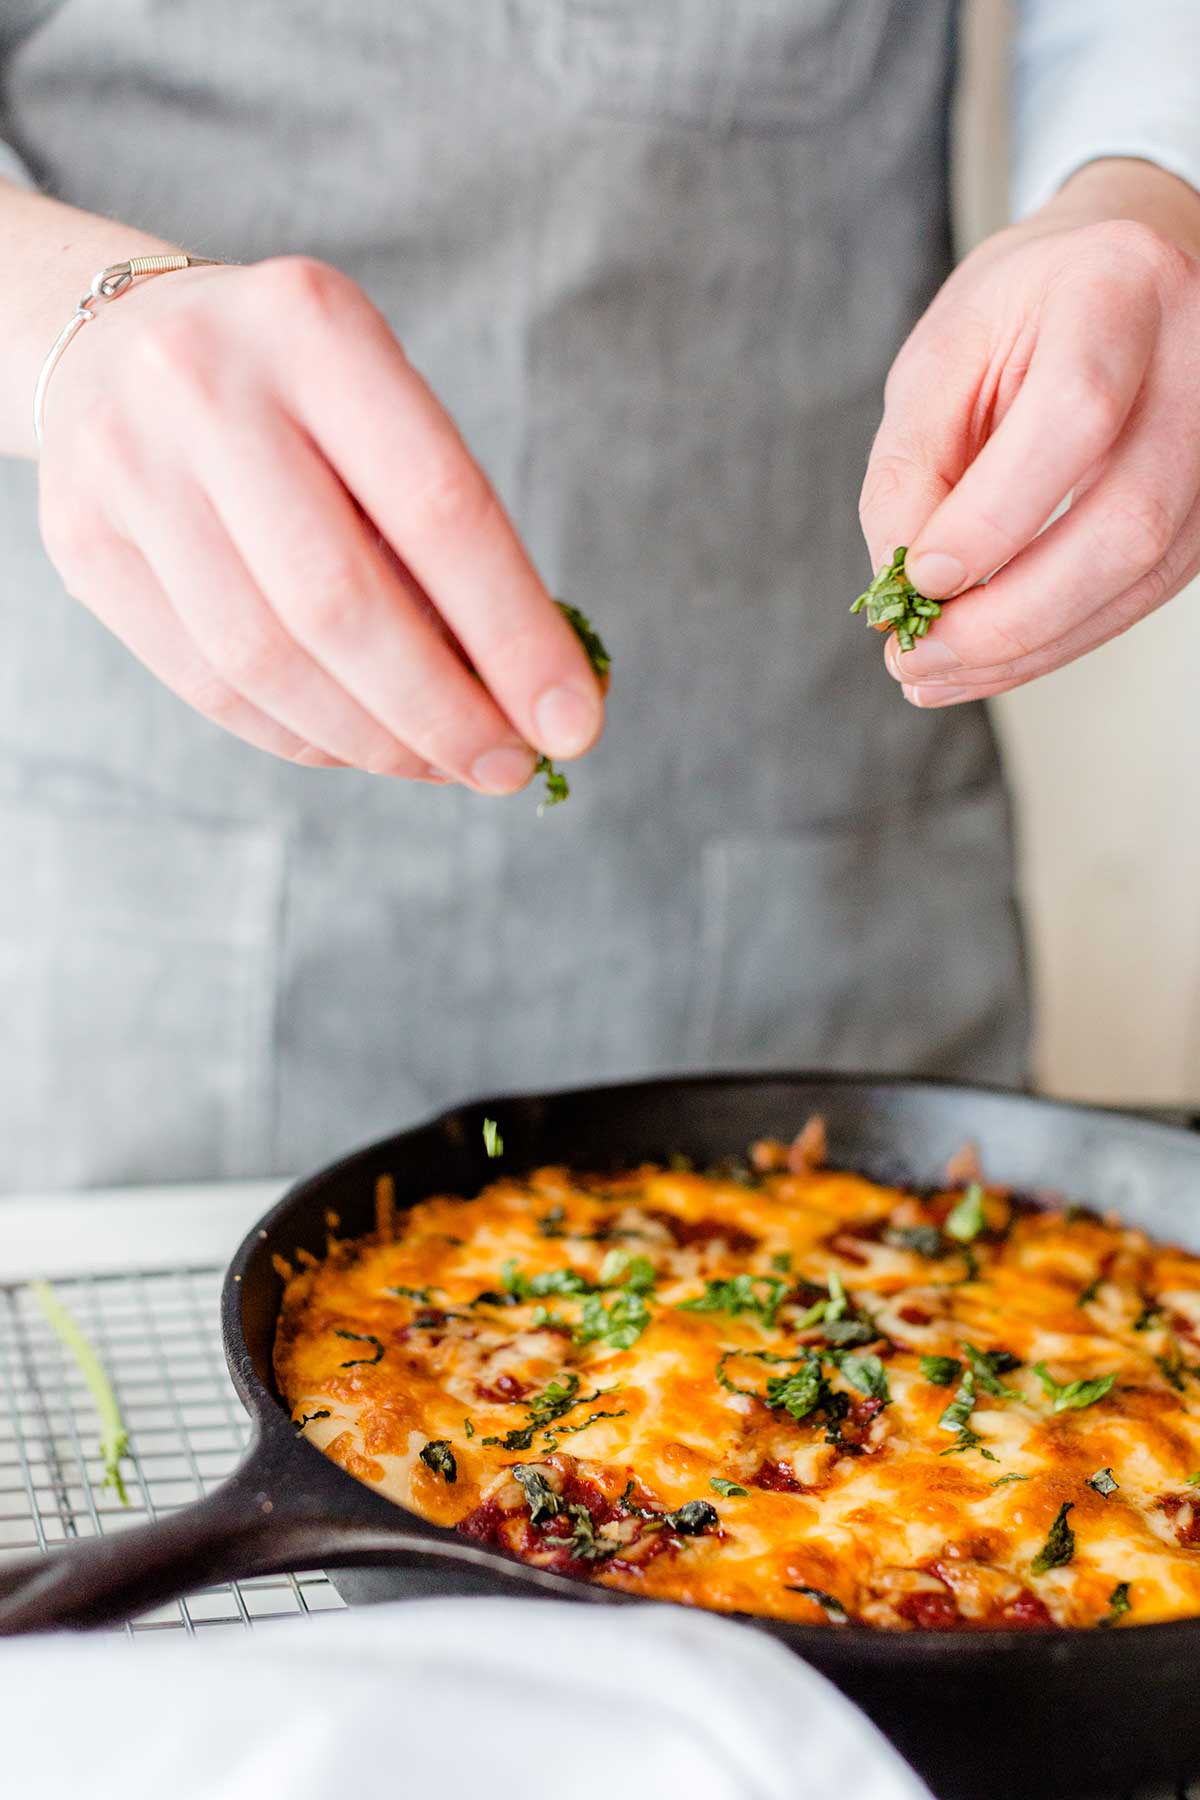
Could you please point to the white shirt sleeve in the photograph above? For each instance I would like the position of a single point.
(1103, 78)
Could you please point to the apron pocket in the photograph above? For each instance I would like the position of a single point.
(883, 944)
(782, 64)
(137, 959)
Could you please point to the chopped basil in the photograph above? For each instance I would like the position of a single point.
(1103, 1482)
(1118, 1603)
(558, 1281)
(849, 1331)
(827, 1310)
(552, 1436)
(1073, 1394)
(868, 1375)
(551, 1223)
(1149, 1317)
(739, 1295)
(555, 1400)
(581, 1541)
(1059, 1546)
(438, 1456)
(833, 1609)
(693, 1517)
(730, 1489)
(493, 1143)
(361, 1337)
(545, 1318)
(943, 1371)
(634, 1273)
(1194, 1480)
(987, 1365)
(1087, 1294)
(923, 1240)
(421, 1295)
(1173, 1369)
(781, 1262)
(308, 1418)
(1001, 1479)
(468, 1428)
(619, 1325)
(969, 1439)
(892, 603)
(967, 1220)
(957, 1418)
(959, 1410)
(544, 1503)
(557, 787)
(799, 1393)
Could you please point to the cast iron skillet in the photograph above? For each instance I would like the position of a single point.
(983, 1713)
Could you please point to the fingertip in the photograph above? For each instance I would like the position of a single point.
(935, 573)
(568, 719)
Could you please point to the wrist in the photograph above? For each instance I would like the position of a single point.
(1125, 188)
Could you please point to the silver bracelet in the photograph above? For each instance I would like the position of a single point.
(106, 285)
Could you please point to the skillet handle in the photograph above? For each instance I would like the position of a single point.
(101, 1580)
(233, 1534)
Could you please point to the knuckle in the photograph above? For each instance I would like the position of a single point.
(205, 691)
(1138, 248)
(70, 533)
(250, 657)
(328, 599)
(1088, 397)
(1138, 530)
(303, 282)
(107, 449)
(451, 493)
(881, 484)
(173, 348)
(392, 758)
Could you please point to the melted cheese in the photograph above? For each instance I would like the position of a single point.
(883, 1509)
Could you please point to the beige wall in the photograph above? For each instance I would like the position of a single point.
(1105, 758)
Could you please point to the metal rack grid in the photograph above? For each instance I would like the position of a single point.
(158, 1337)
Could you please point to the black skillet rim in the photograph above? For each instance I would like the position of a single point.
(832, 1646)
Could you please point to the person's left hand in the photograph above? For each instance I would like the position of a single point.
(1062, 357)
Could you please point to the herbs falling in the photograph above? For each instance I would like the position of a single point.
(892, 603)
(557, 787)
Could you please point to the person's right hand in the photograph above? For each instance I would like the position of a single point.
(228, 452)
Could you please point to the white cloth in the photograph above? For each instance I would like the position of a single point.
(453, 1698)
(1098, 78)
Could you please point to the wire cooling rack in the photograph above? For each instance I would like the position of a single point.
(158, 1337)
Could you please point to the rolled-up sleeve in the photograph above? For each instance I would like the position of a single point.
(1096, 78)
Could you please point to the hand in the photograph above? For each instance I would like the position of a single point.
(244, 478)
(1061, 357)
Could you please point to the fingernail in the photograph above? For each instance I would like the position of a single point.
(931, 697)
(928, 656)
(566, 720)
(502, 771)
(935, 574)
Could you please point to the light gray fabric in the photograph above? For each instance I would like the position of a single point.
(657, 260)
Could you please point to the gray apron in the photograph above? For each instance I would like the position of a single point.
(656, 256)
